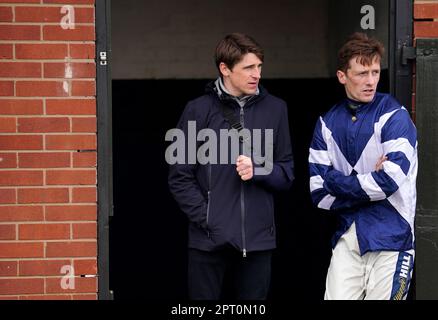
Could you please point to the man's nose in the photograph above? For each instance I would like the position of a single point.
(371, 80)
(257, 73)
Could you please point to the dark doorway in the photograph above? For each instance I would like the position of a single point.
(148, 232)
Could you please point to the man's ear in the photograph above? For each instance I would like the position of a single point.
(342, 78)
(225, 71)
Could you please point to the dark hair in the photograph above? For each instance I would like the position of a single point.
(233, 47)
(359, 45)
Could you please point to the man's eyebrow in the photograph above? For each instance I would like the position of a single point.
(252, 65)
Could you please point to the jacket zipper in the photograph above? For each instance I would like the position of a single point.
(208, 198)
(242, 194)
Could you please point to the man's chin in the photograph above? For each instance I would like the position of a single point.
(367, 98)
(251, 92)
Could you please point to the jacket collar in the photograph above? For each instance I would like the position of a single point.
(217, 89)
(358, 106)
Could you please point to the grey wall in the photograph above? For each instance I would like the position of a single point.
(345, 18)
(170, 39)
(176, 39)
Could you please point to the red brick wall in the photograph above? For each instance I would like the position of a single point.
(47, 150)
(426, 19)
(425, 26)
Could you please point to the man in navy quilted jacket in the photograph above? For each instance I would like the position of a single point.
(229, 201)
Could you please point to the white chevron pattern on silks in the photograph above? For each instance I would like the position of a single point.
(316, 182)
(370, 186)
(400, 199)
(326, 202)
(400, 144)
(335, 154)
(319, 157)
(373, 150)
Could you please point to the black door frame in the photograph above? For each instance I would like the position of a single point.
(401, 59)
(104, 144)
(400, 49)
(400, 68)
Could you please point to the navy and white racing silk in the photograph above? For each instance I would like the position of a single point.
(345, 149)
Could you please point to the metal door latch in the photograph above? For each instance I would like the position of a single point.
(103, 60)
(408, 53)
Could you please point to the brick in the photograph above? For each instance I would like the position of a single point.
(6, 51)
(21, 213)
(84, 159)
(71, 107)
(21, 250)
(426, 29)
(85, 266)
(44, 160)
(8, 125)
(8, 297)
(84, 296)
(42, 267)
(6, 14)
(8, 160)
(41, 51)
(83, 51)
(20, 286)
(70, 70)
(21, 178)
(79, 33)
(84, 195)
(70, 177)
(51, 14)
(425, 10)
(42, 124)
(20, 107)
(86, 125)
(42, 89)
(7, 232)
(71, 249)
(71, 142)
(28, 142)
(6, 88)
(71, 213)
(83, 88)
(85, 230)
(8, 268)
(7, 196)
(51, 231)
(54, 195)
(20, 1)
(19, 32)
(83, 285)
(70, 1)
(20, 69)
(47, 297)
